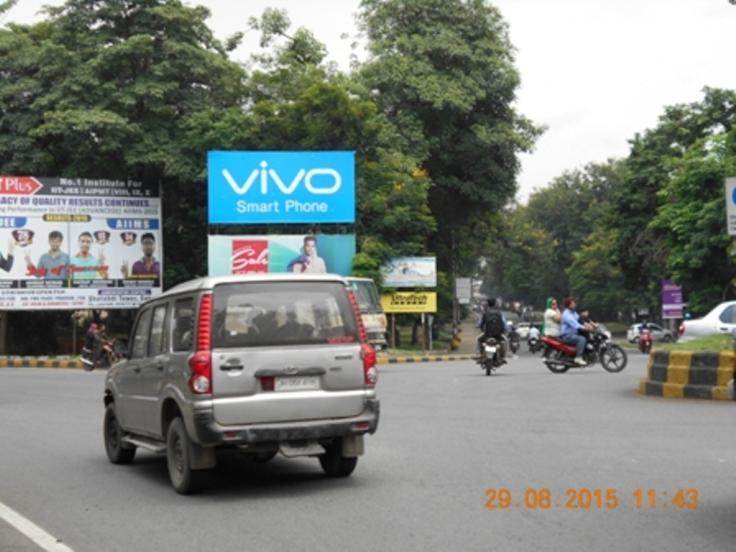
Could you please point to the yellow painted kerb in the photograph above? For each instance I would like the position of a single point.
(673, 390)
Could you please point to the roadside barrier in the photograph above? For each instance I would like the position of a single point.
(39, 362)
(690, 375)
(383, 359)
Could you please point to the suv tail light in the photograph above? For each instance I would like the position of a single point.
(681, 329)
(358, 316)
(367, 353)
(200, 363)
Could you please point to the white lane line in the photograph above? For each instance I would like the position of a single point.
(32, 531)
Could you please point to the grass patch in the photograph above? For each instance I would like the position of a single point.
(716, 342)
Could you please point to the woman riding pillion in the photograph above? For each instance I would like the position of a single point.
(552, 319)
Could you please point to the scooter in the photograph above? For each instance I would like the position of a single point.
(559, 357)
(645, 341)
(490, 355)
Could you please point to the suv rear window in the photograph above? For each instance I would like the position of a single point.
(282, 313)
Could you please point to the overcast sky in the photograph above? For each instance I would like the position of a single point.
(593, 71)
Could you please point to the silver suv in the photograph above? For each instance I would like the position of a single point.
(264, 364)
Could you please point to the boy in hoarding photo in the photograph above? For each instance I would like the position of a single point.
(52, 265)
(6, 261)
(147, 266)
(309, 262)
(84, 265)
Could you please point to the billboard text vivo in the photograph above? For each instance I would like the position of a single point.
(266, 187)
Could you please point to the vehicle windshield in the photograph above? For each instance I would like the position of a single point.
(282, 313)
(367, 295)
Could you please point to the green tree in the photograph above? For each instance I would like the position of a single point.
(443, 73)
(642, 249)
(104, 88)
(693, 222)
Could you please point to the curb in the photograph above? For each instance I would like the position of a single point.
(433, 358)
(37, 362)
(690, 375)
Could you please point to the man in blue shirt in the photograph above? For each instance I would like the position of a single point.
(569, 330)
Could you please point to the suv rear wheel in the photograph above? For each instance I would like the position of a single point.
(334, 463)
(117, 452)
(184, 479)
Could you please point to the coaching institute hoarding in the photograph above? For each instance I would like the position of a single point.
(78, 243)
(299, 253)
(281, 187)
(401, 302)
(410, 272)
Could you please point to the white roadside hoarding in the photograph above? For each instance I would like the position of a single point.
(463, 290)
(410, 272)
(78, 243)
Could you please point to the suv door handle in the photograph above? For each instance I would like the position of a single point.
(228, 367)
(137, 369)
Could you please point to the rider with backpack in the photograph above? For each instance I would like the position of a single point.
(493, 325)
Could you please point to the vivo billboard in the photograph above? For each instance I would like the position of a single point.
(278, 187)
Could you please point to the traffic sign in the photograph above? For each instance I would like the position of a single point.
(731, 205)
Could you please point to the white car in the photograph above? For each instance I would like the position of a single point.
(721, 319)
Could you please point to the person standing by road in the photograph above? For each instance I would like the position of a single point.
(570, 328)
(552, 319)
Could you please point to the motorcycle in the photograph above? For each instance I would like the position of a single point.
(490, 355)
(535, 344)
(514, 341)
(645, 341)
(559, 357)
(110, 352)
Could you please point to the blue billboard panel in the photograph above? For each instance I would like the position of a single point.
(281, 187)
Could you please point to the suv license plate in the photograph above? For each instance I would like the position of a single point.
(297, 383)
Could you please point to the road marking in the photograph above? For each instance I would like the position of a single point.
(32, 531)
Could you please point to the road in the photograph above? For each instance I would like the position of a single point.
(447, 434)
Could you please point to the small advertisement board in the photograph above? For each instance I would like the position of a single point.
(463, 290)
(71, 243)
(409, 302)
(731, 205)
(299, 253)
(410, 272)
(281, 187)
(672, 303)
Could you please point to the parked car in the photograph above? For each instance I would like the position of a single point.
(658, 333)
(371, 310)
(722, 319)
(263, 363)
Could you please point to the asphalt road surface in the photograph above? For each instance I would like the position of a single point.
(447, 434)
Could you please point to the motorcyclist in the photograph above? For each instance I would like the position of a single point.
(570, 328)
(89, 343)
(493, 325)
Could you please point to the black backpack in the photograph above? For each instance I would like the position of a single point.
(493, 323)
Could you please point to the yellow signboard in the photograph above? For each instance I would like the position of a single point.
(409, 302)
